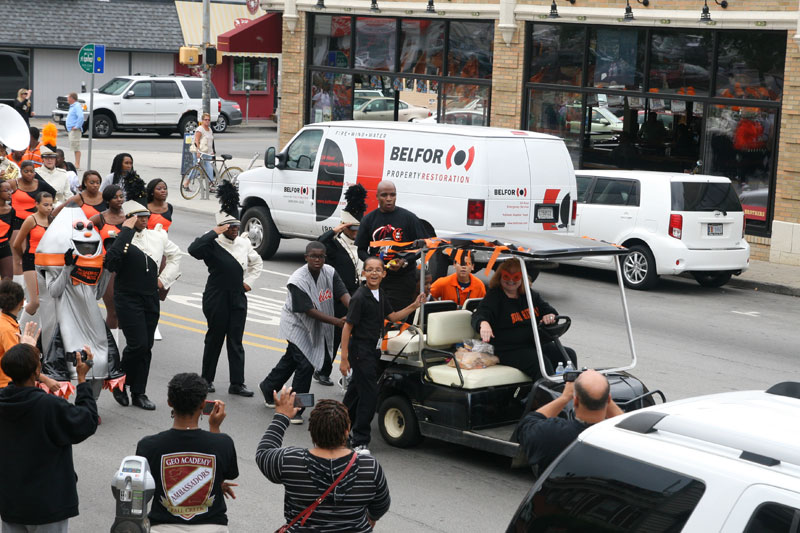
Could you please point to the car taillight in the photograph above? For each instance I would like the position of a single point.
(237, 107)
(676, 226)
(475, 212)
(429, 113)
(574, 211)
(744, 225)
(219, 105)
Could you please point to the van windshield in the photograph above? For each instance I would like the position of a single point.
(696, 196)
(115, 86)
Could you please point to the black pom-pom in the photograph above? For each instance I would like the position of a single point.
(355, 198)
(228, 196)
(134, 189)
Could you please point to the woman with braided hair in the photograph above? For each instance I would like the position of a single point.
(360, 497)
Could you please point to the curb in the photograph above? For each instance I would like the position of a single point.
(196, 210)
(774, 288)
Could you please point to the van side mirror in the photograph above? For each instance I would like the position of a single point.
(269, 158)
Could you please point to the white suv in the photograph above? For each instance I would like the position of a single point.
(672, 223)
(725, 462)
(162, 103)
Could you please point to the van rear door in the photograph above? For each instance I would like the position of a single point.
(552, 185)
(707, 213)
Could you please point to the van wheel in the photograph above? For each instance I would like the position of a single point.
(102, 126)
(398, 422)
(712, 279)
(261, 231)
(639, 268)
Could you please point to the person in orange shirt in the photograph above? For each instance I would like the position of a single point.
(460, 286)
(34, 151)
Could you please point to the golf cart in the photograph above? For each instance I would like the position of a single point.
(420, 395)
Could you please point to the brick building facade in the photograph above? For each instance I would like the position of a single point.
(726, 90)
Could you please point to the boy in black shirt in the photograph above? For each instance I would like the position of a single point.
(362, 331)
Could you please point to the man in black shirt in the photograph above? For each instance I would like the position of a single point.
(392, 223)
(543, 435)
(362, 331)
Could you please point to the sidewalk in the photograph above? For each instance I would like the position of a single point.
(769, 277)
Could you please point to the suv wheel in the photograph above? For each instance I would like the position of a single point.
(712, 279)
(187, 125)
(398, 422)
(221, 124)
(261, 231)
(102, 126)
(639, 268)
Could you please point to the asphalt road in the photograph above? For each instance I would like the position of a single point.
(689, 341)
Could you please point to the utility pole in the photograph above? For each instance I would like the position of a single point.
(206, 68)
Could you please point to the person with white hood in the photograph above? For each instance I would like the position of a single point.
(57, 178)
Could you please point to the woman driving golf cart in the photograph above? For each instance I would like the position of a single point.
(503, 319)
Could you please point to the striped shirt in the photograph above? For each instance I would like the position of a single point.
(362, 493)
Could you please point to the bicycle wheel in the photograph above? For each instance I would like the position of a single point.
(190, 183)
(232, 174)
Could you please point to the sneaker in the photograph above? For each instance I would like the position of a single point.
(269, 401)
(296, 419)
(269, 404)
(362, 450)
(211, 387)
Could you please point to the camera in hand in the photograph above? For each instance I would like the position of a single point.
(571, 375)
(72, 357)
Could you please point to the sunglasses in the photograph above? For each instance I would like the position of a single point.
(508, 276)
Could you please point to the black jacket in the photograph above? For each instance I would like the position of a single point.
(37, 431)
(136, 271)
(340, 260)
(225, 274)
(510, 318)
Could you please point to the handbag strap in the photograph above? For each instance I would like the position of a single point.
(305, 513)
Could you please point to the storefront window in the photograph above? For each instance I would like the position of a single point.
(471, 50)
(680, 62)
(465, 104)
(376, 39)
(14, 72)
(250, 72)
(557, 54)
(739, 144)
(616, 58)
(332, 41)
(422, 46)
(751, 68)
(557, 113)
(331, 97)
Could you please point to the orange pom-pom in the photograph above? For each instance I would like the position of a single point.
(50, 134)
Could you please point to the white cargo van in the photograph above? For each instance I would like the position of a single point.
(454, 178)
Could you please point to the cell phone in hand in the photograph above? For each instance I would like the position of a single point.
(304, 400)
(571, 375)
(208, 407)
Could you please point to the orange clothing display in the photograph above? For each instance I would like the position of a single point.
(9, 336)
(447, 288)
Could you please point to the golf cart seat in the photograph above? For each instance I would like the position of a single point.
(471, 304)
(452, 327)
(407, 341)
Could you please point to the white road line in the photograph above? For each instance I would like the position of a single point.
(276, 272)
(280, 291)
(747, 313)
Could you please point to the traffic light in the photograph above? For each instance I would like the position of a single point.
(211, 56)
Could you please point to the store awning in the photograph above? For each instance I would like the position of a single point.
(261, 35)
(224, 17)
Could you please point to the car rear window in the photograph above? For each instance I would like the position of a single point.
(697, 196)
(591, 489)
(194, 89)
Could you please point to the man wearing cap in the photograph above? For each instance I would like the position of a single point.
(56, 177)
(233, 267)
(136, 256)
(342, 255)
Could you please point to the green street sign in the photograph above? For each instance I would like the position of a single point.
(86, 58)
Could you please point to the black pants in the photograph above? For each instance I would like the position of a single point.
(400, 289)
(327, 366)
(292, 362)
(225, 313)
(525, 359)
(361, 398)
(138, 317)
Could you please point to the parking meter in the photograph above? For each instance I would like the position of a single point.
(247, 105)
(133, 487)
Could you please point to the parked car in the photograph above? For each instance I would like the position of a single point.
(723, 462)
(604, 125)
(466, 117)
(671, 223)
(368, 93)
(383, 109)
(165, 104)
(230, 114)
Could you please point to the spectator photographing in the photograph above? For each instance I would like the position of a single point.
(543, 435)
(186, 452)
(361, 495)
(39, 489)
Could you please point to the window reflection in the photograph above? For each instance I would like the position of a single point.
(331, 47)
(680, 62)
(616, 58)
(557, 113)
(376, 39)
(751, 68)
(471, 49)
(330, 97)
(422, 46)
(557, 54)
(465, 104)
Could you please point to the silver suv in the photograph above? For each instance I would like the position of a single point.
(725, 462)
(165, 104)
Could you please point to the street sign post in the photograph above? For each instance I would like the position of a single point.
(92, 59)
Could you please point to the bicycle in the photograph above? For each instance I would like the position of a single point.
(196, 179)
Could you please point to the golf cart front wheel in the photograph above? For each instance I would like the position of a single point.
(398, 422)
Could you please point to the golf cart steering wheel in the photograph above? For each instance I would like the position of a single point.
(551, 332)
